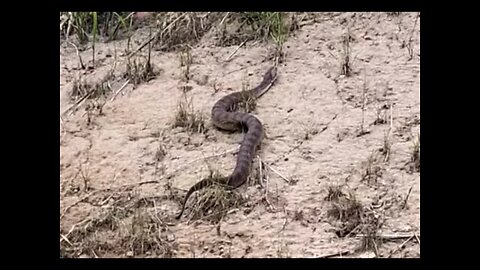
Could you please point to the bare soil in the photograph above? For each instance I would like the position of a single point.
(341, 175)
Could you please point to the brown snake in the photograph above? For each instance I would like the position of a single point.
(225, 117)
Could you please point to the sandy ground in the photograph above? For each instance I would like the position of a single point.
(312, 116)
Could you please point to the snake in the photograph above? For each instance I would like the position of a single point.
(225, 117)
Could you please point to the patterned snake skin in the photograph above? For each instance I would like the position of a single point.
(224, 117)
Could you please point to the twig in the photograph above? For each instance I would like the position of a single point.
(78, 54)
(78, 102)
(234, 150)
(266, 194)
(119, 90)
(106, 200)
(341, 253)
(401, 245)
(260, 167)
(286, 219)
(389, 130)
(417, 238)
(406, 198)
(276, 172)
(94, 254)
(235, 51)
(390, 236)
(66, 239)
(224, 18)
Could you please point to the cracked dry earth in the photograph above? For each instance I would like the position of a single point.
(323, 129)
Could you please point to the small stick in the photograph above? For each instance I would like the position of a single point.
(286, 220)
(71, 229)
(417, 238)
(106, 200)
(277, 173)
(261, 169)
(66, 239)
(79, 101)
(235, 51)
(390, 236)
(78, 54)
(266, 194)
(389, 130)
(224, 18)
(406, 198)
(341, 253)
(401, 245)
(119, 90)
(69, 26)
(234, 150)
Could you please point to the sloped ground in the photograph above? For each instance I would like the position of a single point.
(342, 159)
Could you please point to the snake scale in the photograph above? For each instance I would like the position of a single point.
(225, 117)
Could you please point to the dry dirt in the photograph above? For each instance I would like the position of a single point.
(125, 170)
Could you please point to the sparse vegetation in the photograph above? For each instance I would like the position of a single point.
(133, 233)
(345, 208)
(354, 217)
(387, 146)
(248, 101)
(346, 63)
(213, 202)
(82, 89)
(186, 60)
(254, 26)
(188, 118)
(362, 130)
(180, 29)
(86, 25)
(137, 150)
(138, 71)
(372, 168)
(409, 44)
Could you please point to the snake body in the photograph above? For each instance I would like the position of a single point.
(225, 117)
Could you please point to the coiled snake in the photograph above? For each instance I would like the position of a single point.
(225, 117)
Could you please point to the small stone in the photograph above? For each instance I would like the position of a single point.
(170, 237)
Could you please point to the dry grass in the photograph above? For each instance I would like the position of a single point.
(214, 202)
(139, 70)
(372, 168)
(93, 94)
(106, 24)
(82, 89)
(347, 59)
(345, 208)
(237, 28)
(126, 229)
(354, 218)
(179, 29)
(186, 60)
(248, 101)
(188, 118)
